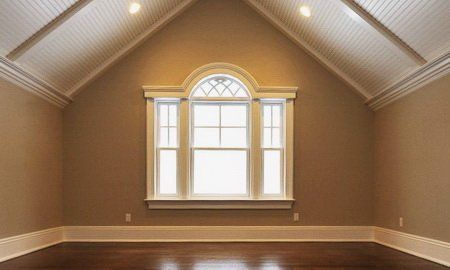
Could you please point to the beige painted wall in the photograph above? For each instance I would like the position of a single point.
(30, 162)
(412, 162)
(104, 129)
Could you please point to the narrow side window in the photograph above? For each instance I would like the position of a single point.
(273, 148)
(166, 147)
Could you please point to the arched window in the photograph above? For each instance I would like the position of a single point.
(219, 141)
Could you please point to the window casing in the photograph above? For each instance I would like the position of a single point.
(230, 146)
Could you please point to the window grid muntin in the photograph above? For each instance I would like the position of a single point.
(193, 148)
(220, 80)
(158, 148)
(220, 126)
(281, 104)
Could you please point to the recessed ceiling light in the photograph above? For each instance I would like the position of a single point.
(134, 7)
(305, 11)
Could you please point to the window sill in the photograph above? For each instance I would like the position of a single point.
(220, 204)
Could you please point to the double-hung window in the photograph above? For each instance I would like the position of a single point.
(219, 143)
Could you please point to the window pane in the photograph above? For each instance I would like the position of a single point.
(272, 171)
(276, 115)
(220, 172)
(276, 137)
(206, 137)
(267, 137)
(173, 115)
(206, 115)
(173, 137)
(234, 115)
(163, 137)
(267, 115)
(163, 114)
(234, 137)
(168, 172)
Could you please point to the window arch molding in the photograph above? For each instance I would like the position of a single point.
(180, 97)
(184, 90)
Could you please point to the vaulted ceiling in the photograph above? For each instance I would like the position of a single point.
(383, 49)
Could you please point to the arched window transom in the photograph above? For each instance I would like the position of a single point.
(222, 86)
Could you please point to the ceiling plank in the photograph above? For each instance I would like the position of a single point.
(46, 30)
(77, 88)
(366, 20)
(309, 49)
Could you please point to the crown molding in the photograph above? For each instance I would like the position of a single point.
(27, 81)
(433, 70)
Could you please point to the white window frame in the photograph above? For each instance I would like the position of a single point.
(192, 147)
(181, 95)
(158, 148)
(281, 148)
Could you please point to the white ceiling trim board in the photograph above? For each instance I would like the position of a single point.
(46, 30)
(47, 33)
(309, 49)
(386, 36)
(433, 70)
(76, 89)
(29, 82)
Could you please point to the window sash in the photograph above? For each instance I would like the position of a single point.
(219, 147)
(273, 147)
(158, 148)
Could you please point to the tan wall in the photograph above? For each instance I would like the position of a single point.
(412, 162)
(30, 162)
(104, 129)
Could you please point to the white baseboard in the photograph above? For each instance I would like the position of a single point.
(426, 248)
(217, 233)
(19, 245)
(430, 249)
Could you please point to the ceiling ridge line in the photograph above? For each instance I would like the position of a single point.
(76, 89)
(414, 80)
(356, 87)
(28, 81)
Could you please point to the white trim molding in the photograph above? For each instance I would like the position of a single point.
(426, 248)
(220, 204)
(427, 73)
(183, 91)
(218, 233)
(25, 80)
(19, 245)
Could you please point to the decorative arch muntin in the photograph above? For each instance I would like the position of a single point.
(220, 86)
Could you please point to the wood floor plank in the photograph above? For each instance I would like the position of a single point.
(199, 256)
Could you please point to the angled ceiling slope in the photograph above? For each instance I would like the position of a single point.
(383, 49)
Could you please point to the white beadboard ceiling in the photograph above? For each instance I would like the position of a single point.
(382, 48)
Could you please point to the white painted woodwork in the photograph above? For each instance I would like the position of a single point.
(375, 46)
(21, 19)
(423, 25)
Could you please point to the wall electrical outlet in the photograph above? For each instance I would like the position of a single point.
(127, 217)
(296, 217)
(400, 221)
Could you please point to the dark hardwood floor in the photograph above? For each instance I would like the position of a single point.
(131, 256)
